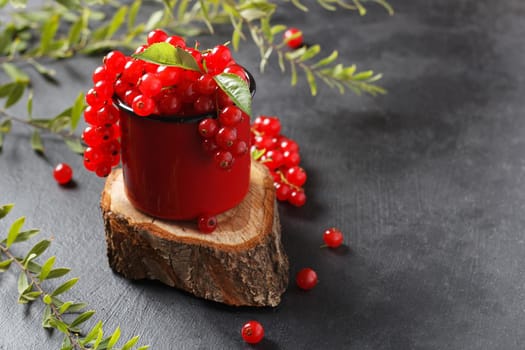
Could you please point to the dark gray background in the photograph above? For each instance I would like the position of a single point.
(426, 182)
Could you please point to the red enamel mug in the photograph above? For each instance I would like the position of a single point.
(169, 175)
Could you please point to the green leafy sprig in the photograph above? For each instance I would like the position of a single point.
(64, 316)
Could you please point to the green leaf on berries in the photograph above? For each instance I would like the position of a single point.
(168, 55)
(237, 89)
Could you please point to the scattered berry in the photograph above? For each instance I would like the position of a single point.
(252, 332)
(306, 278)
(207, 223)
(293, 38)
(63, 173)
(333, 237)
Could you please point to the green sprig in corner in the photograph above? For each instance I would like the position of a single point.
(63, 316)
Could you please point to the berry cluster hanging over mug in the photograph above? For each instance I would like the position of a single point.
(178, 119)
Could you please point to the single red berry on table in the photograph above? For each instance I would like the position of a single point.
(207, 223)
(252, 332)
(333, 237)
(293, 38)
(63, 173)
(306, 278)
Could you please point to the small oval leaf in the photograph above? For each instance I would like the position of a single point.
(237, 90)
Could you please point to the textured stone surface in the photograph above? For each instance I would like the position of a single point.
(428, 183)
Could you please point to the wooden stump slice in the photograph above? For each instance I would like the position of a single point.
(241, 263)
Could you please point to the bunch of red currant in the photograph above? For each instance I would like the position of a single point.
(281, 156)
(151, 89)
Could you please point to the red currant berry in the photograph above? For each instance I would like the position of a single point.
(143, 105)
(207, 223)
(169, 75)
(306, 278)
(291, 159)
(264, 142)
(63, 173)
(296, 176)
(121, 87)
(196, 55)
(208, 127)
(91, 158)
(204, 104)
(237, 70)
(230, 116)
(206, 85)
(100, 73)
(240, 148)
(140, 49)
(130, 95)
(94, 99)
(293, 38)
(103, 168)
(288, 145)
(273, 159)
(282, 191)
(224, 159)
(297, 198)
(104, 89)
(114, 62)
(150, 85)
(108, 114)
(226, 137)
(333, 237)
(110, 148)
(133, 70)
(252, 332)
(169, 103)
(176, 41)
(218, 58)
(95, 135)
(156, 36)
(269, 126)
(189, 92)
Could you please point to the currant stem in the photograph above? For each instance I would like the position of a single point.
(55, 312)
